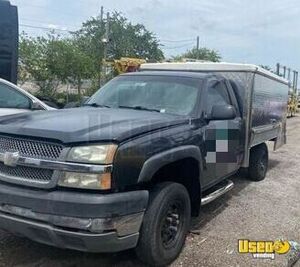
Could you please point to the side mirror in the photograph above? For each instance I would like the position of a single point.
(36, 106)
(223, 112)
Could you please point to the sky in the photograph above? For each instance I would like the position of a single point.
(261, 32)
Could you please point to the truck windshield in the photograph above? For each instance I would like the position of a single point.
(164, 94)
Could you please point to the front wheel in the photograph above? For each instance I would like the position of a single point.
(165, 225)
(258, 164)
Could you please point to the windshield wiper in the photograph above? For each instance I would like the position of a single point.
(141, 108)
(95, 105)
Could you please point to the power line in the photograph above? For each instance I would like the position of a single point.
(45, 22)
(43, 28)
(177, 41)
(177, 47)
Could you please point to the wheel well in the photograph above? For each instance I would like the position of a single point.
(186, 172)
(260, 146)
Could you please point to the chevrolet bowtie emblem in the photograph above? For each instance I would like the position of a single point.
(11, 158)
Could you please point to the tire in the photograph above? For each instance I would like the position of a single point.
(258, 165)
(159, 244)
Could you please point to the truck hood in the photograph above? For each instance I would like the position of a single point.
(81, 125)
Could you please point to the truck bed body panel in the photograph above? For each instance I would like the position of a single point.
(263, 103)
(262, 97)
(269, 111)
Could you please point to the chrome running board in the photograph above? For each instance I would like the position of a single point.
(216, 194)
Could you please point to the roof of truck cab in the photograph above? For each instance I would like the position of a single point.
(209, 67)
(186, 74)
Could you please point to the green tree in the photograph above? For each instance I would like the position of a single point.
(125, 40)
(70, 63)
(200, 54)
(53, 60)
(23, 74)
(129, 40)
(34, 56)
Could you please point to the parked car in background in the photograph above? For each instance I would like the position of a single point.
(50, 101)
(15, 100)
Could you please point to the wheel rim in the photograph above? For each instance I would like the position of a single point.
(172, 225)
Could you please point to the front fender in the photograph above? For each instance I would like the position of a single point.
(153, 164)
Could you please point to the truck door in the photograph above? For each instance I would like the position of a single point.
(222, 138)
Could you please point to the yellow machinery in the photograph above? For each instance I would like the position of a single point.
(292, 104)
(125, 64)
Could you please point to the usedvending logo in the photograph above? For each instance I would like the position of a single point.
(263, 249)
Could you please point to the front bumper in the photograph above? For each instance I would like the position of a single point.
(50, 235)
(74, 220)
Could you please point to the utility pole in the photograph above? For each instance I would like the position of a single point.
(289, 74)
(198, 42)
(278, 69)
(101, 14)
(294, 81)
(100, 47)
(105, 41)
(297, 81)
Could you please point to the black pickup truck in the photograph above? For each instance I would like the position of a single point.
(130, 168)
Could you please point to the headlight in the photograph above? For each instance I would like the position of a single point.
(86, 180)
(94, 154)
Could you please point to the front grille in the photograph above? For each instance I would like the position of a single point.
(30, 148)
(26, 173)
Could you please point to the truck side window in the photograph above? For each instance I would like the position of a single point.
(10, 98)
(217, 95)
